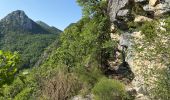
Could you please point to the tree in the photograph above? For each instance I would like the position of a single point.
(93, 7)
(8, 66)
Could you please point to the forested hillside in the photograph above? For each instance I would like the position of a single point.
(118, 50)
(20, 33)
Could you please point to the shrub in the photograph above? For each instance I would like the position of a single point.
(89, 76)
(62, 86)
(10, 91)
(109, 89)
(24, 94)
(8, 67)
(149, 30)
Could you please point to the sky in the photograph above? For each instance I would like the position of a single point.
(58, 13)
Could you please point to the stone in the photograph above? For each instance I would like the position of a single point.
(141, 97)
(160, 9)
(140, 0)
(87, 97)
(162, 29)
(137, 35)
(115, 6)
(123, 12)
(124, 39)
(114, 36)
(142, 19)
(112, 28)
(153, 2)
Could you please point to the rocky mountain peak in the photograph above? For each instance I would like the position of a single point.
(18, 20)
(17, 14)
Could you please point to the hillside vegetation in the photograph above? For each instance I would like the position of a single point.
(23, 35)
(86, 61)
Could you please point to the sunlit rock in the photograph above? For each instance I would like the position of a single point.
(142, 19)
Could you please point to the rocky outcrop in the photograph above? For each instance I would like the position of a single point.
(18, 18)
(159, 7)
(115, 8)
(123, 11)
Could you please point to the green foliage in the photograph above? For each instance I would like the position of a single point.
(89, 76)
(167, 26)
(82, 40)
(162, 89)
(8, 66)
(92, 7)
(149, 30)
(83, 46)
(30, 46)
(109, 89)
(24, 94)
(24, 87)
(137, 9)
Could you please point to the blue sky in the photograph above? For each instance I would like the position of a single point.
(58, 13)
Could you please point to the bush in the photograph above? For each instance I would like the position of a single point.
(61, 86)
(148, 29)
(109, 89)
(8, 67)
(24, 94)
(10, 91)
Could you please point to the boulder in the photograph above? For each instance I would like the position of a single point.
(115, 6)
(123, 12)
(160, 9)
(124, 39)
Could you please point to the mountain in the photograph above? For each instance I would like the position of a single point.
(18, 20)
(51, 29)
(70, 25)
(20, 33)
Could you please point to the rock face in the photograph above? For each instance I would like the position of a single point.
(115, 8)
(121, 12)
(159, 7)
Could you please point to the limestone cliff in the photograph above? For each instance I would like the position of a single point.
(123, 12)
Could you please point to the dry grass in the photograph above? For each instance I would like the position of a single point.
(60, 87)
